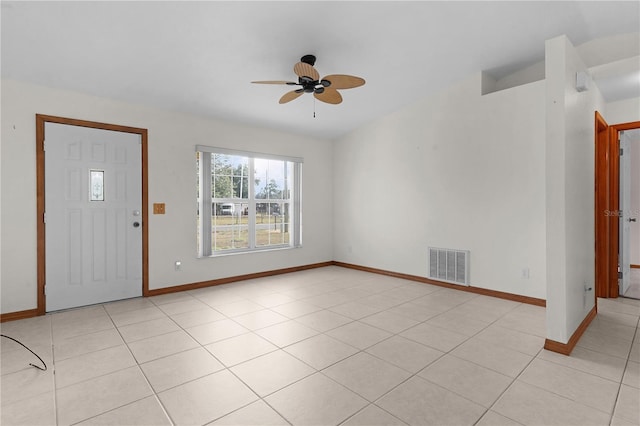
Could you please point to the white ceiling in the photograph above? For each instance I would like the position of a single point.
(199, 57)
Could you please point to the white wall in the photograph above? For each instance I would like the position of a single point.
(624, 111)
(172, 180)
(458, 170)
(570, 190)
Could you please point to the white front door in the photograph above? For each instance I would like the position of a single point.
(93, 210)
(624, 252)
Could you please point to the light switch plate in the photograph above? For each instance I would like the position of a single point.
(158, 208)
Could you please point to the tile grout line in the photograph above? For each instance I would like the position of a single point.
(389, 337)
(416, 374)
(260, 398)
(624, 371)
(412, 374)
(155, 394)
(124, 343)
(279, 348)
(228, 369)
(90, 352)
(282, 348)
(515, 379)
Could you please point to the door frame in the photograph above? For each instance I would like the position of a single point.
(41, 119)
(607, 204)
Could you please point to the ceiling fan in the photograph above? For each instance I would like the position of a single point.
(325, 89)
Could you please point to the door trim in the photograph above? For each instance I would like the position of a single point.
(607, 184)
(603, 246)
(41, 119)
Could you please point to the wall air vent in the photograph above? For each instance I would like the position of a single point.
(451, 266)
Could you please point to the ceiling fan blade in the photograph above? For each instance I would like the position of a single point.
(274, 82)
(343, 81)
(330, 96)
(289, 96)
(305, 70)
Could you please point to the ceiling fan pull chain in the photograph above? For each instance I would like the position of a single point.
(314, 107)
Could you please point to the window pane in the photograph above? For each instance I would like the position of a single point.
(241, 187)
(230, 226)
(270, 179)
(230, 237)
(260, 177)
(241, 178)
(221, 186)
(229, 176)
(272, 227)
(288, 180)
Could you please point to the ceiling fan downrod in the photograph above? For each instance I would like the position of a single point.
(308, 59)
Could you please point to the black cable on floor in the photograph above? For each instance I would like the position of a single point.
(24, 346)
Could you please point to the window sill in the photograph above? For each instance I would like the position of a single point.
(256, 250)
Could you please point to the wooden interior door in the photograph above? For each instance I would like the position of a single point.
(607, 204)
(624, 253)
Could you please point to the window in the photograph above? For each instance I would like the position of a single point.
(250, 201)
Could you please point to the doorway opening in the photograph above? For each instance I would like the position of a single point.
(607, 206)
(42, 121)
(630, 211)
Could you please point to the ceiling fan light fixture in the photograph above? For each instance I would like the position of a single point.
(309, 80)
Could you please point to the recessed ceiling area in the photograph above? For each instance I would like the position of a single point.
(200, 57)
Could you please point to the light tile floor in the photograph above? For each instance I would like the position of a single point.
(326, 346)
(634, 285)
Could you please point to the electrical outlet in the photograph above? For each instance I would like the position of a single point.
(525, 273)
(178, 265)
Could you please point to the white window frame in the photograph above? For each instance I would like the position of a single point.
(205, 200)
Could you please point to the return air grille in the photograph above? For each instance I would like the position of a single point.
(448, 265)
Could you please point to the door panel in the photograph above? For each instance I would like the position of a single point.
(625, 213)
(93, 251)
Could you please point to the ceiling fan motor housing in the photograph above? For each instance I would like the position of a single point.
(309, 85)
